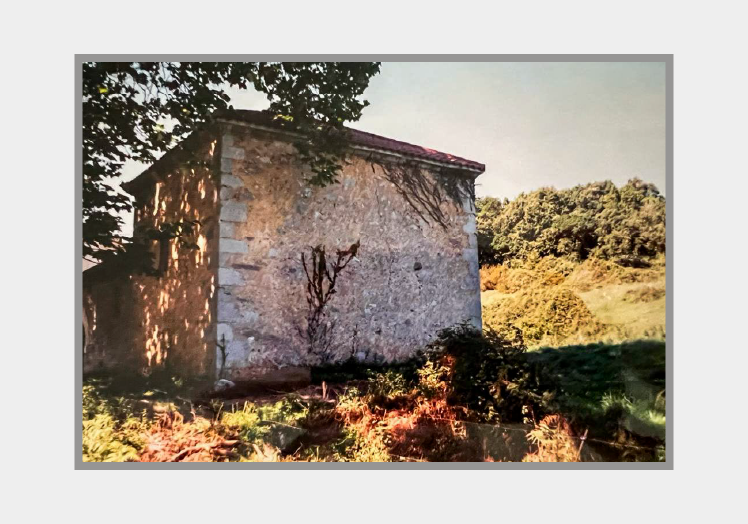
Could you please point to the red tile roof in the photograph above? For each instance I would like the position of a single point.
(365, 140)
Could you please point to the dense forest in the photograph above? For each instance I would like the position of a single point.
(621, 224)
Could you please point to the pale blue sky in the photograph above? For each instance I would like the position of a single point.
(532, 124)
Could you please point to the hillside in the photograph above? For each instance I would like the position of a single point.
(575, 266)
(554, 302)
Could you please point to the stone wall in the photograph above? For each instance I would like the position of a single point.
(415, 273)
(107, 321)
(147, 323)
(237, 305)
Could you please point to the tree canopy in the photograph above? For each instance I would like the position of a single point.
(139, 110)
(625, 224)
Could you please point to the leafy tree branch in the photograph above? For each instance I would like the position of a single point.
(139, 110)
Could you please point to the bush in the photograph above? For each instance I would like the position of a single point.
(388, 384)
(483, 372)
(543, 315)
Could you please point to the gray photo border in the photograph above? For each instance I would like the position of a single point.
(78, 190)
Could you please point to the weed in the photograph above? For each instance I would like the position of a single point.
(111, 431)
(388, 384)
(554, 440)
(362, 444)
(277, 424)
(486, 374)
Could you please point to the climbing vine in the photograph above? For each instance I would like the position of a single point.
(426, 192)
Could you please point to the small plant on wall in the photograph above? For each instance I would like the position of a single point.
(322, 276)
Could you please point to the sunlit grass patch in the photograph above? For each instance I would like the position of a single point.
(112, 432)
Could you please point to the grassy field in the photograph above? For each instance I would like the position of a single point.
(556, 303)
(611, 389)
(596, 335)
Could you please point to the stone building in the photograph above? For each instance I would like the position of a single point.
(241, 294)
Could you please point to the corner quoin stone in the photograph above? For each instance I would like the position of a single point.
(229, 245)
(226, 230)
(234, 153)
(234, 212)
(231, 181)
(229, 277)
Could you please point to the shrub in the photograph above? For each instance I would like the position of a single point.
(554, 440)
(388, 384)
(485, 373)
(624, 223)
(543, 315)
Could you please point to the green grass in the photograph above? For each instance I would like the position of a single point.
(627, 310)
(614, 390)
(112, 430)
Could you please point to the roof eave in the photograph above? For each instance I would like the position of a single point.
(475, 171)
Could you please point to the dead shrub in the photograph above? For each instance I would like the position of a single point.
(172, 440)
(555, 441)
(505, 279)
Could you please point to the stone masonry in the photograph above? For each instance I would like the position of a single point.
(415, 271)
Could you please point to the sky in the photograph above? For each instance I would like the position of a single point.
(533, 124)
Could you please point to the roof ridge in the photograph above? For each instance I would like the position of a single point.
(366, 139)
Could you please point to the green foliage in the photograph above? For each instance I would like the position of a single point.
(359, 446)
(351, 399)
(139, 110)
(270, 423)
(606, 388)
(486, 374)
(431, 379)
(388, 384)
(642, 416)
(106, 440)
(111, 431)
(625, 224)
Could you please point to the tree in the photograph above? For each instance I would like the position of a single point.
(139, 110)
(487, 210)
(598, 219)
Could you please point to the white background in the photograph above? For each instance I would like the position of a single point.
(39, 41)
